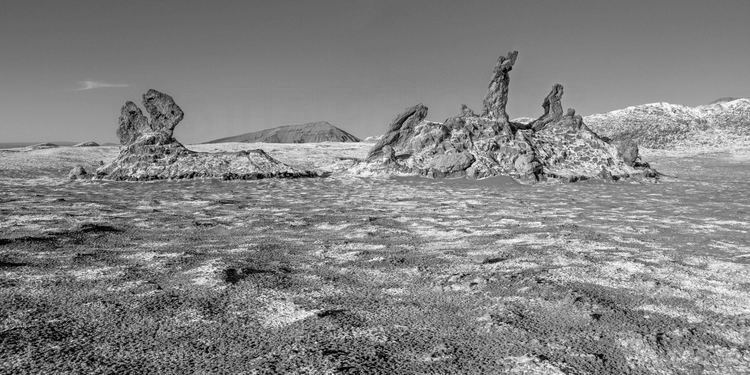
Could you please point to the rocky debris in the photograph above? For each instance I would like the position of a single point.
(150, 152)
(556, 145)
(86, 144)
(312, 132)
(497, 93)
(77, 173)
(669, 126)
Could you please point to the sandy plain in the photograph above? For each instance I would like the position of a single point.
(373, 275)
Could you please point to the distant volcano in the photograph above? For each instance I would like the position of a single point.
(312, 132)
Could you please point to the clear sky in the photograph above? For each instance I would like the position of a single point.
(66, 67)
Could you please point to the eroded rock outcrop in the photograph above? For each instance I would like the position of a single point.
(497, 92)
(149, 150)
(556, 145)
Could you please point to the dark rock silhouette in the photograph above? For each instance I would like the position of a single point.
(313, 132)
(555, 145)
(552, 106)
(86, 144)
(150, 152)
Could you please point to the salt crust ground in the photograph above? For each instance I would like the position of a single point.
(352, 275)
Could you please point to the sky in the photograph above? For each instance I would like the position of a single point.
(66, 67)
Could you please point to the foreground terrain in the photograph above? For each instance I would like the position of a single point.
(354, 275)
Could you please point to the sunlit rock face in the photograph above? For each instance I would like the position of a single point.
(556, 145)
(149, 150)
(721, 124)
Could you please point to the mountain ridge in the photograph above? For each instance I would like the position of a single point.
(663, 125)
(310, 132)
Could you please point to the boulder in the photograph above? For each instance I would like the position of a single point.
(77, 173)
(149, 150)
(86, 144)
(627, 148)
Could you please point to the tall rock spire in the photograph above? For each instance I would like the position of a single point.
(497, 93)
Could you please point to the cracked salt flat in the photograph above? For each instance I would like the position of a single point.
(518, 269)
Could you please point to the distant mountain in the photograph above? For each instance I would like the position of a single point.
(312, 132)
(34, 145)
(725, 122)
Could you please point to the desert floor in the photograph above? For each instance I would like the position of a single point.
(354, 275)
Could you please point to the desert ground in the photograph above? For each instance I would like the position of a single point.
(373, 275)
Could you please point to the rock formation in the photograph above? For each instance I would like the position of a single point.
(555, 145)
(552, 106)
(312, 132)
(497, 93)
(150, 152)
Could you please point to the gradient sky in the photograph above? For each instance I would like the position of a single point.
(66, 67)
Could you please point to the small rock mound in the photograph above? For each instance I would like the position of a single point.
(77, 173)
(86, 144)
(556, 145)
(150, 152)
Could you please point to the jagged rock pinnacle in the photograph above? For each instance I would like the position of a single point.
(497, 93)
(552, 108)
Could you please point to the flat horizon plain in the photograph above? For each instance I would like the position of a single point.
(373, 275)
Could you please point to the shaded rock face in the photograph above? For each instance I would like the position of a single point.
(165, 114)
(400, 130)
(555, 145)
(552, 106)
(497, 93)
(77, 173)
(149, 150)
(132, 123)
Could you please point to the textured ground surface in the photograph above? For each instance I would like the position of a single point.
(349, 275)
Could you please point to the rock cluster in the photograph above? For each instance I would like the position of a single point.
(555, 145)
(149, 150)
